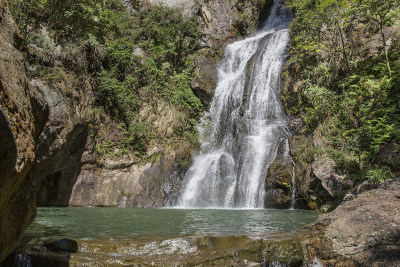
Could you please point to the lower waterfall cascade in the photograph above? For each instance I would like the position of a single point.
(246, 127)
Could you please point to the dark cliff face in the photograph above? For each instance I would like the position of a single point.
(22, 117)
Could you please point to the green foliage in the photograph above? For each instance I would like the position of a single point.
(116, 97)
(130, 59)
(378, 175)
(71, 18)
(182, 95)
(353, 97)
(167, 36)
(323, 103)
(287, 186)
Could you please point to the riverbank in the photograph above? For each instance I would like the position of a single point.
(188, 250)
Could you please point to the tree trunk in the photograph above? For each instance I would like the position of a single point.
(343, 46)
(385, 50)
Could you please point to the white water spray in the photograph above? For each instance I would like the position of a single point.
(242, 132)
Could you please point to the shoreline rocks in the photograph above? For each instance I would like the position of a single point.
(364, 231)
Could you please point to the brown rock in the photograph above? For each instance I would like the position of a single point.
(361, 232)
(22, 116)
(303, 171)
(281, 171)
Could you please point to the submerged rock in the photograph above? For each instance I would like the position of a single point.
(65, 244)
(195, 250)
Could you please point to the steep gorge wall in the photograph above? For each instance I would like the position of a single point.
(22, 116)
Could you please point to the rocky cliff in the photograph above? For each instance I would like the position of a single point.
(22, 116)
(54, 144)
(127, 179)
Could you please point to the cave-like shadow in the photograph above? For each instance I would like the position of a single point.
(8, 150)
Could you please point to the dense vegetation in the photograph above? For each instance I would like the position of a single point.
(344, 67)
(128, 60)
(345, 74)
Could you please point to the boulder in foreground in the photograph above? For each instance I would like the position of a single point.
(361, 232)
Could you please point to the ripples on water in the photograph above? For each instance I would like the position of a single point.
(87, 223)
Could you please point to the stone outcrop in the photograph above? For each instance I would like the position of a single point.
(318, 182)
(22, 117)
(205, 80)
(361, 232)
(334, 184)
(134, 185)
(279, 183)
(186, 7)
(61, 144)
(220, 20)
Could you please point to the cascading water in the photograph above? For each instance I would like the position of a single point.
(246, 125)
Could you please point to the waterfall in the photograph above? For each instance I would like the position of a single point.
(245, 125)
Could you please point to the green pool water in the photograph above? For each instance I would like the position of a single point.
(89, 223)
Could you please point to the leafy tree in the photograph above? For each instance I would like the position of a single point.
(378, 11)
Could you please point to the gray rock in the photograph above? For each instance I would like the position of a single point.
(60, 146)
(139, 52)
(349, 197)
(126, 186)
(296, 125)
(204, 81)
(334, 184)
(186, 7)
(361, 232)
(65, 244)
(365, 186)
(128, 5)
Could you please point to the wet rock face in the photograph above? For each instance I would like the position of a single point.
(22, 117)
(361, 232)
(279, 184)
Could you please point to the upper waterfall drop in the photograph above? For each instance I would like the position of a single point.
(246, 124)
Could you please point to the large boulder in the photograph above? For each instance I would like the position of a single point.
(334, 184)
(361, 232)
(22, 117)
